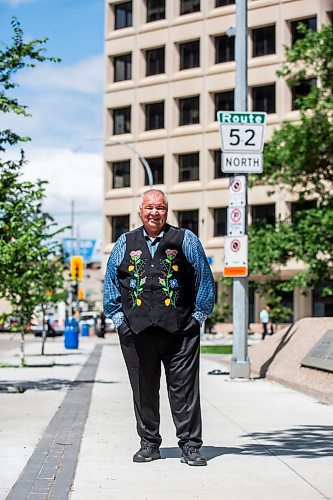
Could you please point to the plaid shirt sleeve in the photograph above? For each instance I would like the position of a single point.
(111, 290)
(204, 281)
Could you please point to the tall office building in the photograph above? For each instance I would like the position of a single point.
(170, 66)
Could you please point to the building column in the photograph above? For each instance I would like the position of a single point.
(302, 304)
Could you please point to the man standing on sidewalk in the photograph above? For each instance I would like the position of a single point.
(158, 289)
(264, 320)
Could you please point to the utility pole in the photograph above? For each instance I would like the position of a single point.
(78, 244)
(70, 294)
(240, 365)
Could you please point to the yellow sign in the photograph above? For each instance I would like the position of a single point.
(77, 267)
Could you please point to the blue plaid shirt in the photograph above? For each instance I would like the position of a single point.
(194, 253)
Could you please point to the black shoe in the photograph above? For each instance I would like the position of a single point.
(147, 453)
(192, 456)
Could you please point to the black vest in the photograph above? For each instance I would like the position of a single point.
(157, 290)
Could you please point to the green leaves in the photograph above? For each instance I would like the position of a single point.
(14, 58)
(31, 260)
(299, 159)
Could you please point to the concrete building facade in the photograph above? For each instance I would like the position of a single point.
(169, 68)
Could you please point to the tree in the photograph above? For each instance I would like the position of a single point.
(299, 159)
(30, 259)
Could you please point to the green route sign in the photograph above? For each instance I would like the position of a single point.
(245, 118)
(242, 138)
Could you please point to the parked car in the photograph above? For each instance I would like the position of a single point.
(52, 329)
(93, 319)
(109, 325)
(10, 324)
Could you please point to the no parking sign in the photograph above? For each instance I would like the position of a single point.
(237, 191)
(235, 256)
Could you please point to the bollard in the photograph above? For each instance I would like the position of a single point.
(71, 334)
(85, 330)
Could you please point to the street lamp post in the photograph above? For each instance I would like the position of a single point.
(141, 158)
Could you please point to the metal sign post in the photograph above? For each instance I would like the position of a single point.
(240, 364)
(242, 138)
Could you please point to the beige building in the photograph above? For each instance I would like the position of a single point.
(169, 68)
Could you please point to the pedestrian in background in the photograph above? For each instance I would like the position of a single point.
(264, 320)
(158, 289)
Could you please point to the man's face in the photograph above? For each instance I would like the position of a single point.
(153, 212)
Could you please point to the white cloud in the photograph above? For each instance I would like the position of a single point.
(65, 103)
(85, 76)
(15, 3)
(74, 176)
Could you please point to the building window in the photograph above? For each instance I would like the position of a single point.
(155, 10)
(263, 98)
(287, 302)
(224, 49)
(119, 225)
(302, 89)
(122, 67)
(251, 293)
(300, 206)
(122, 15)
(220, 221)
(218, 174)
(154, 115)
(222, 3)
(155, 61)
(224, 101)
(189, 219)
(263, 41)
(263, 214)
(188, 167)
(310, 23)
(157, 169)
(121, 175)
(189, 110)
(189, 55)
(322, 305)
(188, 6)
(121, 120)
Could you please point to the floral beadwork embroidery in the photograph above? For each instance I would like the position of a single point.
(136, 268)
(169, 283)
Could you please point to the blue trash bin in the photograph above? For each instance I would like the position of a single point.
(71, 334)
(84, 330)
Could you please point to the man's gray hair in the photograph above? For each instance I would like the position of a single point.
(157, 191)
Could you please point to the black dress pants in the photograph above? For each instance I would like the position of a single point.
(179, 353)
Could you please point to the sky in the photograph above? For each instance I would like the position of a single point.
(66, 103)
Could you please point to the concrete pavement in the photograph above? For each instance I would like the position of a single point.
(262, 440)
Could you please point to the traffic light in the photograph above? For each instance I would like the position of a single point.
(77, 267)
(81, 294)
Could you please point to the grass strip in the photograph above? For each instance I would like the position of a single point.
(216, 349)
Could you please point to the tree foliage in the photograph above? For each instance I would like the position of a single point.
(299, 160)
(31, 264)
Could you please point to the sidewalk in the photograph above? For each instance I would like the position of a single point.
(262, 440)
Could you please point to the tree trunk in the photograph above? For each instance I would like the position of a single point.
(22, 353)
(43, 335)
